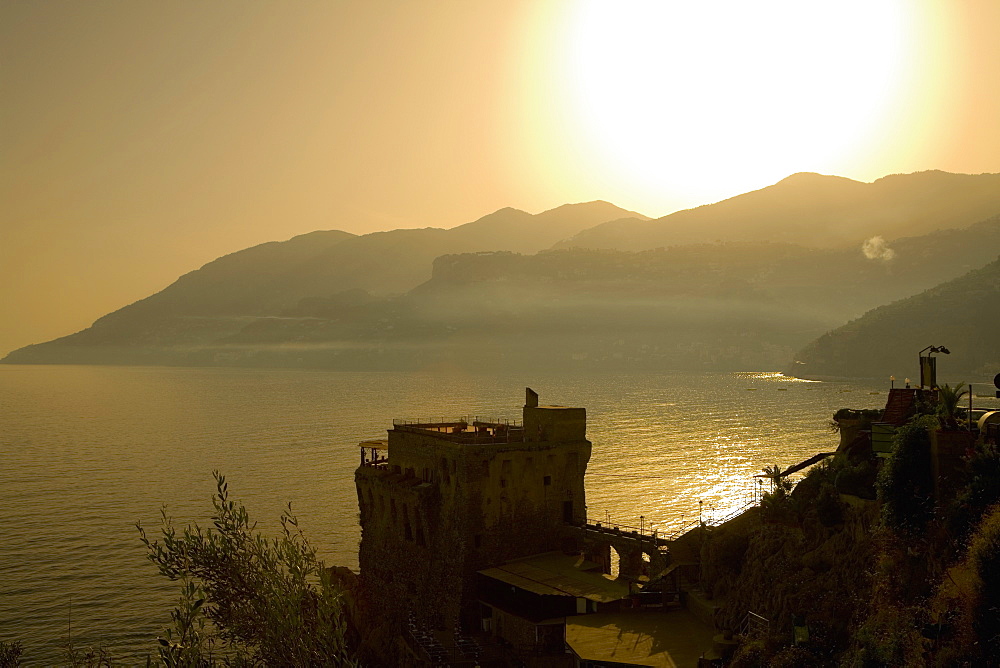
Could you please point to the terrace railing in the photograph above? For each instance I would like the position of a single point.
(458, 431)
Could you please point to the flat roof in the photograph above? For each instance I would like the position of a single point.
(558, 574)
(668, 638)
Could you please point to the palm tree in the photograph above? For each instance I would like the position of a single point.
(947, 409)
(778, 484)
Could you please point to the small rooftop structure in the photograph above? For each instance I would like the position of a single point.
(901, 404)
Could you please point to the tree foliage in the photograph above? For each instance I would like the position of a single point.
(948, 400)
(267, 601)
(10, 653)
(905, 482)
(984, 553)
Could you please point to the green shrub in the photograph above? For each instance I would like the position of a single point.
(887, 639)
(270, 601)
(866, 415)
(10, 653)
(857, 478)
(984, 553)
(793, 657)
(984, 477)
(828, 507)
(905, 484)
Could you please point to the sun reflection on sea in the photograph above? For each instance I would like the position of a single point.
(684, 451)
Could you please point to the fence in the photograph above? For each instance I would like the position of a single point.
(754, 625)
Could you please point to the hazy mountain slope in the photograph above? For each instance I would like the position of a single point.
(815, 210)
(225, 295)
(240, 283)
(535, 233)
(373, 302)
(399, 260)
(556, 309)
(845, 283)
(718, 306)
(962, 314)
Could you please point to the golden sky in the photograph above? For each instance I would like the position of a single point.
(141, 139)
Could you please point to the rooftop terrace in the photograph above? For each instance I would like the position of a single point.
(462, 431)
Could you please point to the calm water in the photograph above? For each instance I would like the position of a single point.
(85, 452)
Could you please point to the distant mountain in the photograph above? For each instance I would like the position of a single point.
(556, 310)
(485, 295)
(394, 262)
(227, 294)
(962, 315)
(529, 234)
(708, 306)
(814, 210)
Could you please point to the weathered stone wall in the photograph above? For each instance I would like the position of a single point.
(442, 510)
(407, 555)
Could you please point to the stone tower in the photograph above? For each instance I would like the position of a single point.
(441, 501)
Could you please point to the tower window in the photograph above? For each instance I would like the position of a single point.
(547, 480)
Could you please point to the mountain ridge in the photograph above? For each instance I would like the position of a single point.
(815, 210)
(376, 296)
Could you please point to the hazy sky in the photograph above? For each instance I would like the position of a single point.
(141, 139)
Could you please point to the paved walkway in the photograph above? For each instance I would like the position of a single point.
(668, 639)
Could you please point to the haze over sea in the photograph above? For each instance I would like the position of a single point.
(88, 451)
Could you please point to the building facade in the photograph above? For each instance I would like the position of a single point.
(440, 501)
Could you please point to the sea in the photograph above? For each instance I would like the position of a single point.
(87, 452)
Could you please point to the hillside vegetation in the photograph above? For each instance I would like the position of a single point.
(879, 561)
(962, 314)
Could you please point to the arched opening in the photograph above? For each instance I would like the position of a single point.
(646, 561)
(615, 563)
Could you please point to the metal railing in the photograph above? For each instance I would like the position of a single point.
(641, 532)
(464, 421)
(483, 431)
(754, 625)
(664, 536)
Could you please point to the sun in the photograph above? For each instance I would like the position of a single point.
(713, 97)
